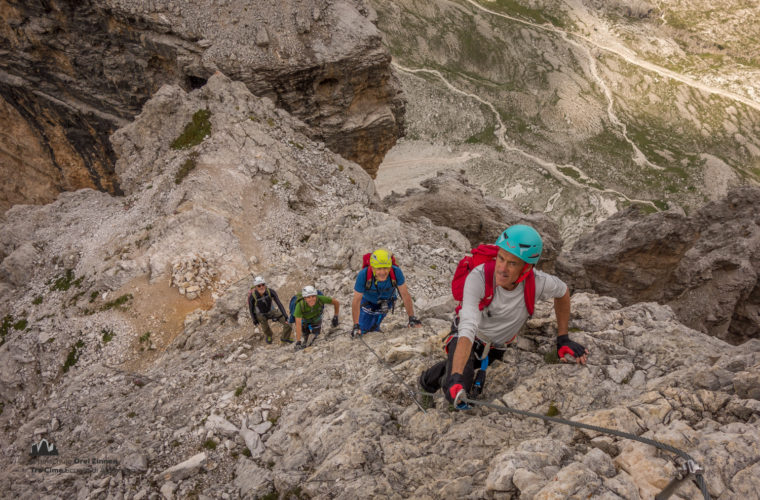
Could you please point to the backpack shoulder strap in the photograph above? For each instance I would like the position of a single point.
(488, 271)
(529, 292)
(257, 297)
(322, 304)
(370, 278)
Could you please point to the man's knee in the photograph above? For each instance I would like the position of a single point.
(431, 379)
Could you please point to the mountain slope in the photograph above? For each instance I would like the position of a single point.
(167, 395)
(561, 114)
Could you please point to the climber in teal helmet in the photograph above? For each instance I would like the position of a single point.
(497, 299)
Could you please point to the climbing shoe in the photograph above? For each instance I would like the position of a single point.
(269, 339)
(286, 340)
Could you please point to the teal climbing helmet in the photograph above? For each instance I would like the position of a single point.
(521, 241)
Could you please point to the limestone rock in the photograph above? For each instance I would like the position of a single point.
(333, 73)
(704, 266)
(18, 267)
(251, 479)
(332, 419)
(218, 424)
(184, 469)
(136, 462)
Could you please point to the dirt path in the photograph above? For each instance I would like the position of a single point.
(629, 56)
(500, 132)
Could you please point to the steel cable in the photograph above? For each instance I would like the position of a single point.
(698, 477)
(412, 392)
(506, 409)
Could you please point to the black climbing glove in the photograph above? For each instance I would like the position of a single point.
(356, 331)
(454, 384)
(567, 346)
(298, 346)
(335, 321)
(413, 321)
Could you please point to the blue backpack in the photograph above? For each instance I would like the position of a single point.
(295, 299)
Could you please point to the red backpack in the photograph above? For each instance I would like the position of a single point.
(486, 254)
(371, 272)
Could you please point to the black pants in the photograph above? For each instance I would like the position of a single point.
(435, 377)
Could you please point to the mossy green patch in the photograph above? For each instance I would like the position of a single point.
(66, 281)
(107, 335)
(195, 131)
(553, 411)
(570, 172)
(5, 327)
(187, 166)
(117, 303)
(485, 136)
(646, 208)
(37, 300)
(517, 9)
(73, 356)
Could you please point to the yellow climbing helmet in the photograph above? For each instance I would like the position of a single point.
(381, 258)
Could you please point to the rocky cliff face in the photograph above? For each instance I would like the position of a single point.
(704, 266)
(73, 72)
(147, 392)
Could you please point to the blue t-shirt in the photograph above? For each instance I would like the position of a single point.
(382, 290)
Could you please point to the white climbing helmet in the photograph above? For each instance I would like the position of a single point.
(259, 280)
(308, 291)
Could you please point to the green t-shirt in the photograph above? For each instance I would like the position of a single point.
(311, 314)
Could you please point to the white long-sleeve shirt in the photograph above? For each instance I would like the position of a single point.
(507, 309)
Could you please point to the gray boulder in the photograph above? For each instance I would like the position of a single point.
(704, 266)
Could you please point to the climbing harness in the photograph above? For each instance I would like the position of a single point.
(310, 334)
(689, 470)
(411, 391)
(480, 378)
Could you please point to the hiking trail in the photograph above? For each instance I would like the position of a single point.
(500, 132)
(630, 57)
